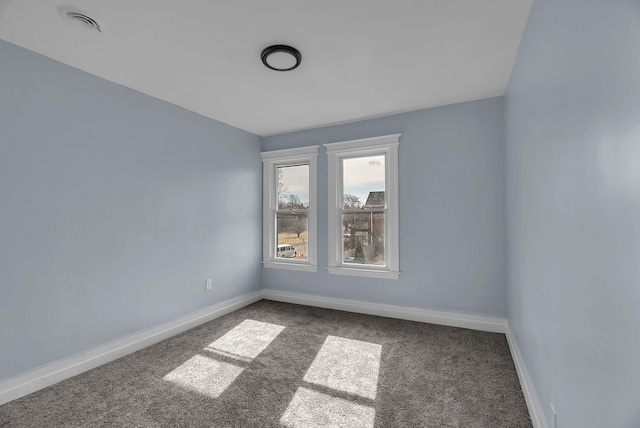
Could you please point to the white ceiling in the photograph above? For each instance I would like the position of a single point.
(360, 58)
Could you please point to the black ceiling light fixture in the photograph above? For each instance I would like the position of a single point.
(81, 19)
(281, 57)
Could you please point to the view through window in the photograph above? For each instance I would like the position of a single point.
(292, 212)
(363, 207)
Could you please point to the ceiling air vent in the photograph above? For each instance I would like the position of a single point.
(82, 19)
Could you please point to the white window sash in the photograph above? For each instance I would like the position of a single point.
(271, 161)
(388, 146)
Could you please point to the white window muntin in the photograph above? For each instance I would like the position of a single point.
(271, 161)
(385, 145)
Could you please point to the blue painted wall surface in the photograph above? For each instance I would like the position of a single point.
(452, 211)
(573, 149)
(115, 208)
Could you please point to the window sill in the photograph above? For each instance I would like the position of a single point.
(290, 266)
(369, 273)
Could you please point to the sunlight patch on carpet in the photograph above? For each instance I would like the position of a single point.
(246, 341)
(313, 409)
(347, 365)
(211, 377)
(204, 375)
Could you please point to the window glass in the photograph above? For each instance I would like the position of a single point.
(363, 238)
(293, 187)
(363, 181)
(292, 219)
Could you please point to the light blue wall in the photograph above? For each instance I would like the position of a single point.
(452, 211)
(115, 208)
(573, 149)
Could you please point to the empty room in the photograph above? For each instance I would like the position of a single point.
(363, 213)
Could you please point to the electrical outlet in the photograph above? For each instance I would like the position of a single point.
(553, 416)
(208, 284)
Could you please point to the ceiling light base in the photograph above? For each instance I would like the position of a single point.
(291, 54)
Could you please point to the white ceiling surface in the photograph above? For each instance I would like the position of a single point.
(360, 58)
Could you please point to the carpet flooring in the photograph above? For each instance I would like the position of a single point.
(274, 364)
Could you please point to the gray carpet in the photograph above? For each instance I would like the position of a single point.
(275, 364)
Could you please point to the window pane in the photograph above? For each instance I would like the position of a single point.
(293, 238)
(363, 238)
(293, 186)
(363, 182)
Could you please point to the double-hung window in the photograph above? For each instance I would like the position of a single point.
(363, 207)
(290, 209)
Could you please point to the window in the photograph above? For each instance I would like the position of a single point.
(289, 209)
(363, 207)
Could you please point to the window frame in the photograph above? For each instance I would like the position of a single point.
(386, 145)
(272, 160)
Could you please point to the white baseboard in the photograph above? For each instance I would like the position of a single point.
(531, 397)
(453, 319)
(46, 375)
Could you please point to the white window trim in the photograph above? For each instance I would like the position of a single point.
(270, 161)
(385, 145)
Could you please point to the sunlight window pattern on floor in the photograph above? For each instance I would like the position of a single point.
(211, 375)
(347, 365)
(205, 375)
(246, 341)
(310, 408)
(340, 386)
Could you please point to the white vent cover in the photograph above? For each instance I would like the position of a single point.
(82, 20)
